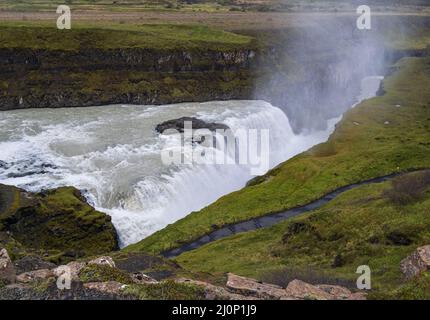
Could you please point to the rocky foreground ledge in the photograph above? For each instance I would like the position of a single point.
(58, 225)
(108, 278)
(100, 278)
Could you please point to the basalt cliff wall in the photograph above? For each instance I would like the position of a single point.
(32, 78)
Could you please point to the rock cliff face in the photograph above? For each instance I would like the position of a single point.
(57, 224)
(37, 78)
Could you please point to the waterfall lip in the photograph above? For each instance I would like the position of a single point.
(274, 218)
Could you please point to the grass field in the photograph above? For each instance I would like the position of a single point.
(42, 35)
(361, 227)
(200, 5)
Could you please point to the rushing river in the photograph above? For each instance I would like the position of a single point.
(113, 154)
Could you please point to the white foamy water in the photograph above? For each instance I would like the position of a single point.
(113, 154)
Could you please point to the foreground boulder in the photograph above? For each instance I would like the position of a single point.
(178, 124)
(7, 270)
(251, 287)
(59, 221)
(298, 289)
(337, 292)
(213, 292)
(416, 263)
(32, 263)
(30, 276)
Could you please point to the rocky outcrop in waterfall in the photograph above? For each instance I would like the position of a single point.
(179, 125)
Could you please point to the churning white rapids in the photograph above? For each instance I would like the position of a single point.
(112, 153)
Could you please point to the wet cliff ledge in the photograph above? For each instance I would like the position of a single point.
(138, 64)
(57, 224)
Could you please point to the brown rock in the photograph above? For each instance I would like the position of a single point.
(357, 296)
(338, 292)
(416, 263)
(251, 287)
(35, 275)
(301, 290)
(111, 287)
(7, 270)
(341, 293)
(104, 260)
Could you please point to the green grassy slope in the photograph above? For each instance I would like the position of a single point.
(374, 139)
(364, 226)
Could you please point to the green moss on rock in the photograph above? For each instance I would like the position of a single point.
(58, 222)
(103, 273)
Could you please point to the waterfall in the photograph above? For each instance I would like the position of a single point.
(112, 153)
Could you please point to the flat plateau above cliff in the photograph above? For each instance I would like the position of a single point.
(45, 35)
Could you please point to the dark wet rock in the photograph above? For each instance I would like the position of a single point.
(29, 168)
(3, 165)
(178, 125)
(398, 238)
(25, 173)
(32, 263)
(48, 166)
(381, 91)
(153, 266)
